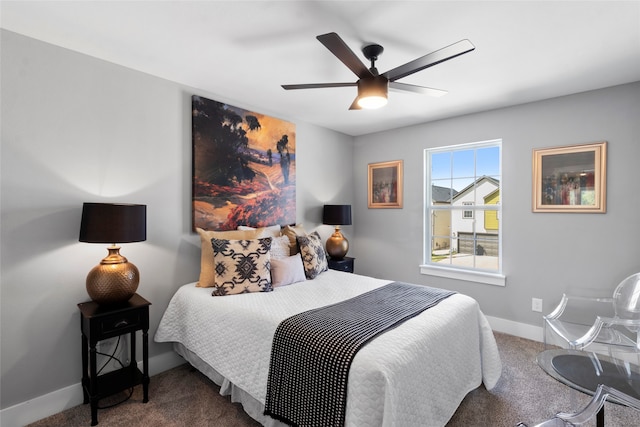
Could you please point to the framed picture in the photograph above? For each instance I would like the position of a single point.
(244, 167)
(570, 179)
(385, 185)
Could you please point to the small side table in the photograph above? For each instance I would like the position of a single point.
(344, 264)
(98, 323)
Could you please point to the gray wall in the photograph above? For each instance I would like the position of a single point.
(544, 254)
(78, 129)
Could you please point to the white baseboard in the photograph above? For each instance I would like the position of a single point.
(51, 403)
(68, 397)
(42, 406)
(522, 330)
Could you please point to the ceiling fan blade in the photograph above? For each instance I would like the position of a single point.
(318, 85)
(339, 48)
(417, 89)
(429, 60)
(354, 105)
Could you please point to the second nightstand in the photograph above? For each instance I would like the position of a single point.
(344, 264)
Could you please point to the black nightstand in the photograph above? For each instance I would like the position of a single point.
(344, 264)
(102, 322)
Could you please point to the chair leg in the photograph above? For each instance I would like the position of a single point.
(596, 406)
(600, 418)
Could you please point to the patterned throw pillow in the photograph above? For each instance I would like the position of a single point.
(207, 273)
(314, 258)
(241, 266)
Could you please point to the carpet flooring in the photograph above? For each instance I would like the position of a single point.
(184, 397)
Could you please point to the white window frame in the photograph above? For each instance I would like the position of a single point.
(453, 271)
(465, 213)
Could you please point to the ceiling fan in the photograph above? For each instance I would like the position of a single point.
(372, 86)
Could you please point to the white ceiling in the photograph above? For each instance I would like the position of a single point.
(242, 51)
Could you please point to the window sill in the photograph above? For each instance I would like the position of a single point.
(467, 275)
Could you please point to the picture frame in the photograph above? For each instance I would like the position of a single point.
(244, 167)
(570, 179)
(385, 185)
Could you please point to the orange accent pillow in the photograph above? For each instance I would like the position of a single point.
(292, 232)
(270, 231)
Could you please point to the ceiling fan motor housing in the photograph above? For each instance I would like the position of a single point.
(372, 91)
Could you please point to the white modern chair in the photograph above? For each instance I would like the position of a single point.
(613, 322)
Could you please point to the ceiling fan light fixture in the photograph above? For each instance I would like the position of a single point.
(372, 92)
(373, 86)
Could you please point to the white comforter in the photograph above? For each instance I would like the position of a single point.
(414, 375)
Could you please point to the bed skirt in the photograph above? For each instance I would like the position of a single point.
(251, 406)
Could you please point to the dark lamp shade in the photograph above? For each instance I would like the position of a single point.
(336, 215)
(113, 223)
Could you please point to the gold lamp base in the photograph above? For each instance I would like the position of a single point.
(337, 244)
(115, 280)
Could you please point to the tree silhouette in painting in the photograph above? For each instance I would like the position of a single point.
(253, 122)
(285, 158)
(221, 152)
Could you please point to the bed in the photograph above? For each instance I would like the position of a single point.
(413, 375)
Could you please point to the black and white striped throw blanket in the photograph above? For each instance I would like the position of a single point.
(312, 351)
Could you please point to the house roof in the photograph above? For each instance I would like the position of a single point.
(497, 190)
(478, 181)
(442, 194)
(240, 52)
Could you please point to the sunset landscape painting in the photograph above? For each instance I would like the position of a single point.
(244, 167)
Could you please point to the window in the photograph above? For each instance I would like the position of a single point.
(463, 212)
(467, 214)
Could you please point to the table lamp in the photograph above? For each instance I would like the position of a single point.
(115, 280)
(337, 244)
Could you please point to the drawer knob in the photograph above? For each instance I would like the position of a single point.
(121, 324)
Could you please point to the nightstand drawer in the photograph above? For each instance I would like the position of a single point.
(345, 264)
(342, 266)
(121, 323)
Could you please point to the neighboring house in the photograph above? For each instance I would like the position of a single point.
(491, 217)
(484, 191)
(441, 220)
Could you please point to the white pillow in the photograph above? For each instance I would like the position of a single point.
(280, 247)
(287, 271)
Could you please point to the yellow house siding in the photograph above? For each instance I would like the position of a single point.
(491, 217)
